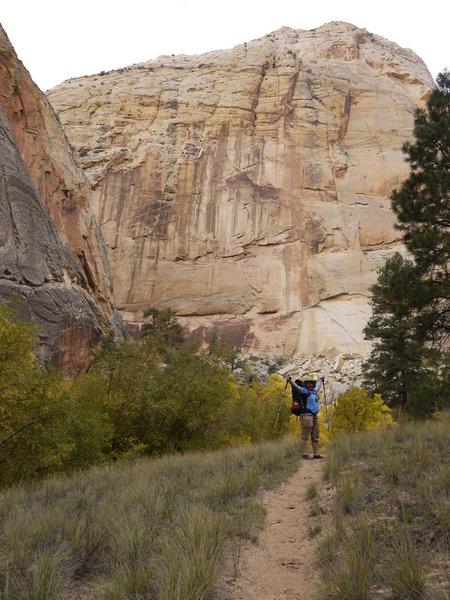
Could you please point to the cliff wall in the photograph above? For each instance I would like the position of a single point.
(249, 188)
(52, 254)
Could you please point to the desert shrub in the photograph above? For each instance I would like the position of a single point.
(356, 411)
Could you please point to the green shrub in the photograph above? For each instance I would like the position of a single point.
(356, 411)
(43, 427)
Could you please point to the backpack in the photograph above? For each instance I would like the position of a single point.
(298, 400)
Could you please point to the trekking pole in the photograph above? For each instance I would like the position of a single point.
(326, 405)
(281, 404)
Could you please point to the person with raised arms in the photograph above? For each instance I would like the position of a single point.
(309, 410)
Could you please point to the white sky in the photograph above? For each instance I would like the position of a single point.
(60, 39)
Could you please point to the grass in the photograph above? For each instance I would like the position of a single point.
(151, 529)
(349, 493)
(391, 537)
(406, 576)
(311, 491)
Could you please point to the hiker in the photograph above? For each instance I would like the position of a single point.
(309, 413)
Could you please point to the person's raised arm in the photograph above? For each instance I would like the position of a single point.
(319, 383)
(296, 387)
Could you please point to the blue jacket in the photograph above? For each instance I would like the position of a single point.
(312, 402)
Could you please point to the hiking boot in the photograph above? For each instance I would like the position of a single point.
(318, 456)
(305, 456)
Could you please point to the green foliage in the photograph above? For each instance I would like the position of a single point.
(155, 407)
(87, 424)
(396, 363)
(189, 402)
(356, 411)
(32, 436)
(44, 424)
(121, 380)
(410, 324)
(140, 398)
(431, 396)
(163, 328)
(422, 206)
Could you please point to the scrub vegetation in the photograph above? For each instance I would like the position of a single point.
(154, 528)
(150, 397)
(391, 532)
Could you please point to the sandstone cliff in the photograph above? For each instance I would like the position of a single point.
(61, 275)
(38, 269)
(249, 188)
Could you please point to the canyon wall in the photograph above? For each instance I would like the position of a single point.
(249, 188)
(52, 255)
(38, 271)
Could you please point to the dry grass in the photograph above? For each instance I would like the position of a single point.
(151, 529)
(391, 536)
(311, 491)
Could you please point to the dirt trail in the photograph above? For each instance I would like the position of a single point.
(281, 564)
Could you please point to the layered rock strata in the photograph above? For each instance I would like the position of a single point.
(249, 188)
(52, 254)
(38, 271)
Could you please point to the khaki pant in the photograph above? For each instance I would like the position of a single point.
(310, 427)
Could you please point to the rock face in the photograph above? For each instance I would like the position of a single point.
(38, 269)
(52, 257)
(249, 188)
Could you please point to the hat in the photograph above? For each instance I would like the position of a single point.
(311, 377)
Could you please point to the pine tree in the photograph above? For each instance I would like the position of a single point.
(410, 324)
(422, 206)
(396, 364)
(163, 328)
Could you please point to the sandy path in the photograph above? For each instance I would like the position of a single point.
(281, 564)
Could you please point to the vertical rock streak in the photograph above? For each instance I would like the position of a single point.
(250, 187)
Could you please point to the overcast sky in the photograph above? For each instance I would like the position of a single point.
(60, 39)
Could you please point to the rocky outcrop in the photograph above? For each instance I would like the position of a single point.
(249, 188)
(38, 270)
(52, 257)
(343, 371)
